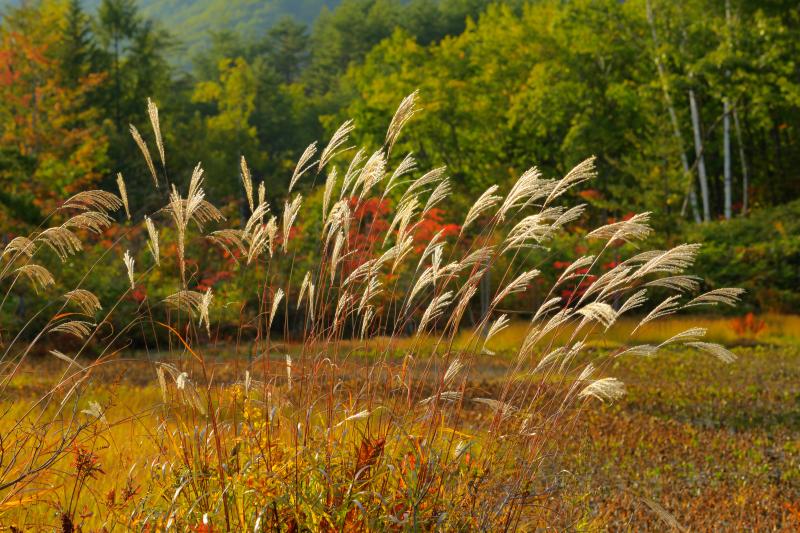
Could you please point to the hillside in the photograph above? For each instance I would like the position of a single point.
(191, 20)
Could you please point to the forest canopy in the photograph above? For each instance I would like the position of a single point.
(691, 108)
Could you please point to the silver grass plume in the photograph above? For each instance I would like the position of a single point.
(634, 229)
(405, 111)
(720, 352)
(519, 284)
(452, 371)
(152, 243)
(605, 389)
(302, 164)
(129, 262)
(262, 193)
(77, 328)
(39, 276)
(337, 140)
(123, 194)
(61, 240)
(665, 308)
(727, 296)
(435, 310)
(673, 261)
(94, 221)
(93, 200)
(289, 215)
(19, 246)
(276, 301)
(330, 184)
(85, 300)
(636, 300)
(679, 283)
(353, 171)
(247, 181)
(691, 334)
(446, 396)
(497, 326)
(145, 152)
(152, 111)
(582, 172)
(502, 409)
(205, 304)
(406, 165)
(599, 312)
(485, 201)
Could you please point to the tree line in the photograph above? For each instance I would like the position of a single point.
(690, 107)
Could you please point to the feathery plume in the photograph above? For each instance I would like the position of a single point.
(145, 152)
(605, 389)
(152, 243)
(405, 111)
(77, 328)
(129, 261)
(635, 301)
(727, 296)
(665, 308)
(123, 194)
(720, 352)
(691, 334)
(276, 301)
(358, 416)
(93, 200)
(503, 409)
(66, 359)
(519, 284)
(94, 221)
(446, 396)
(302, 166)
(330, 183)
(583, 171)
(452, 371)
(679, 283)
(61, 240)
(289, 215)
(85, 300)
(497, 326)
(597, 312)
(435, 309)
(406, 165)
(19, 245)
(673, 261)
(203, 308)
(247, 181)
(630, 230)
(262, 193)
(152, 111)
(485, 201)
(337, 140)
(37, 274)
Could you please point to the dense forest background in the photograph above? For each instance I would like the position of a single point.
(691, 107)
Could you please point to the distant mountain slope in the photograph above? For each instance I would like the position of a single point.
(191, 20)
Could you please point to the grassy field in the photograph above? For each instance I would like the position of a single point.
(716, 446)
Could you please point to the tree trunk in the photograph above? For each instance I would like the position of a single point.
(726, 149)
(673, 116)
(726, 126)
(742, 160)
(698, 149)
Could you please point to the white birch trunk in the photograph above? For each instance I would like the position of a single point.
(673, 116)
(726, 149)
(701, 163)
(742, 160)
